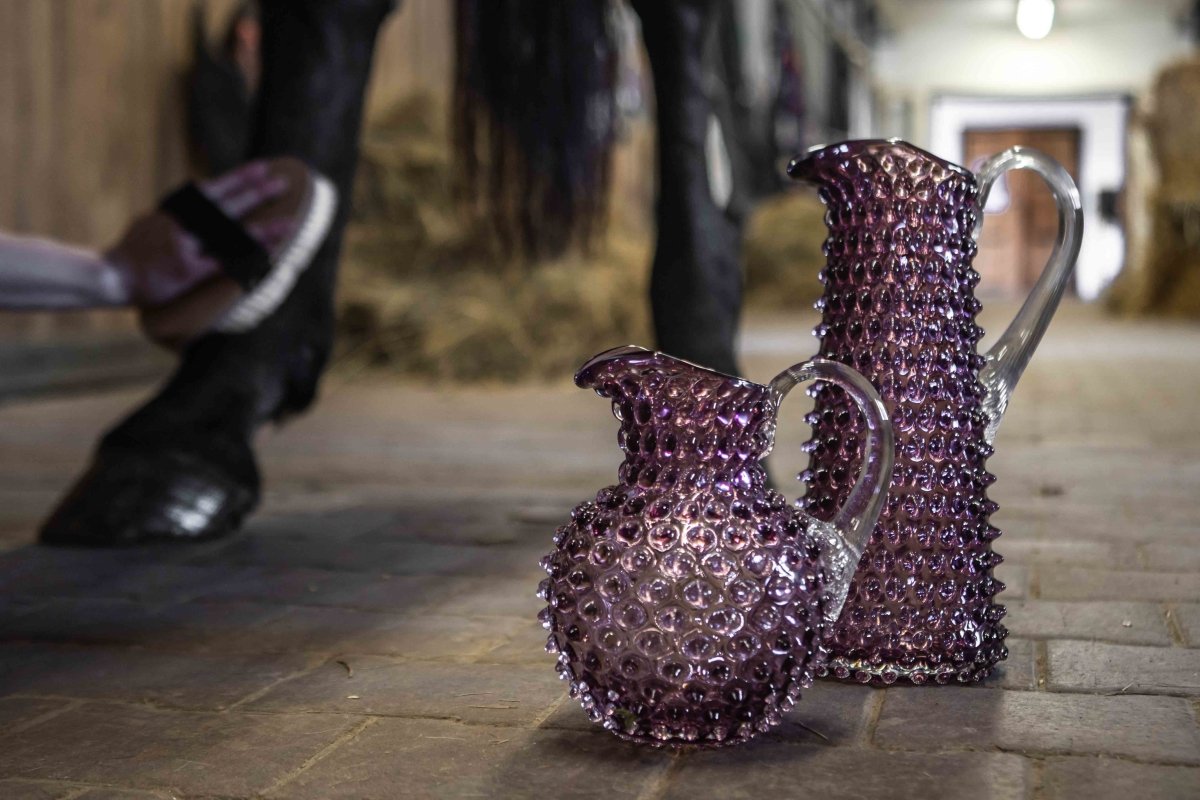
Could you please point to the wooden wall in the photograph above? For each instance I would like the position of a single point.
(92, 114)
(415, 53)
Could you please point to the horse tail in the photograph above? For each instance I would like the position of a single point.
(534, 119)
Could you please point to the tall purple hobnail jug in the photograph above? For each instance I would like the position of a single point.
(899, 306)
(687, 603)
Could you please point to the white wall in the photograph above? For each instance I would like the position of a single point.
(972, 47)
(962, 64)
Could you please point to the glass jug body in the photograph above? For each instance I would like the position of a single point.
(899, 306)
(686, 603)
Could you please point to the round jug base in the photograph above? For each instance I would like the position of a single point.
(848, 670)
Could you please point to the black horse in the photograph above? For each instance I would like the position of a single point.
(532, 93)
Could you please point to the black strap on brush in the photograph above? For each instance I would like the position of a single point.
(240, 255)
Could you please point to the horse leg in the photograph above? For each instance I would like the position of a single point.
(182, 466)
(696, 283)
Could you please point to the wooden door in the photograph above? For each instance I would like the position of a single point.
(1016, 243)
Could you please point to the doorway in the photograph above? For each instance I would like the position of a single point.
(1017, 240)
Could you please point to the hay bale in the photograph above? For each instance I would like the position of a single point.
(427, 292)
(1162, 271)
(541, 323)
(1174, 128)
(783, 252)
(1174, 133)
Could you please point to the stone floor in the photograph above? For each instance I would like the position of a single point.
(372, 635)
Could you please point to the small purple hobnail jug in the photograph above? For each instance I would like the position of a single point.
(687, 602)
(899, 306)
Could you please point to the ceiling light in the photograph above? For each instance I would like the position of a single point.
(1035, 18)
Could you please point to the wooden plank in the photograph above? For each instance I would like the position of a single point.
(9, 66)
(174, 24)
(36, 135)
(92, 115)
(35, 110)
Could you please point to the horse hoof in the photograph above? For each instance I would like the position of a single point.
(128, 498)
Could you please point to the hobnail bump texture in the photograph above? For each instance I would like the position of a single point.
(684, 602)
(899, 307)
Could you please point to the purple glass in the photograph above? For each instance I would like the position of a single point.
(687, 602)
(899, 306)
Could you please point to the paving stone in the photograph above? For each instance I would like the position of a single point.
(28, 790)
(1158, 729)
(189, 680)
(62, 619)
(213, 627)
(570, 716)
(299, 586)
(1018, 671)
(25, 504)
(1188, 617)
(1111, 512)
(543, 516)
(340, 630)
(375, 555)
(1170, 557)
(1130, 623)
(44, 571)
(1100, 511)
(188, 752)
(397, 758)
(1074, 552)
(407, 519)
(527, 646)
(829, 713)
(316, 544)
(115, 622)
(18, 713)
(1103, 668)
(1094, 584)
(1179, 531)
(423, 558)
(122, 794)
(395, 593)
(283, 553)
(90, 562)
(1112, 779)
(291, 499)
(160, 583)
(462, 521)
(476, 693)
(510, 597)
(766, 768)
(324, 524)
(1015, 578)
(15, 539)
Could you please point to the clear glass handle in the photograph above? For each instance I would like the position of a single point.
(1011, 353)
(844, 537)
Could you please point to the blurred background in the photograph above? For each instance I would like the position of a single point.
(106, 104)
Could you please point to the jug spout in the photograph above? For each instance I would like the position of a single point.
(672, 411)
(592, 374)
(803, 169)
(853, 163)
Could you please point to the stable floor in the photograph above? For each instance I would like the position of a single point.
(371, 634)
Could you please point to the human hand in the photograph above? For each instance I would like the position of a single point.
(157, 261)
